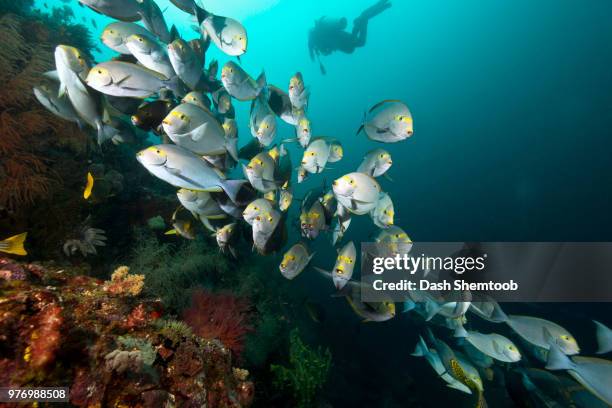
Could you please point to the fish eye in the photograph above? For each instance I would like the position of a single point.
(182, 117)
(140, 39)
(382, 155)
(157, 151)
(511, 348)
(255, 208)
(99, 71)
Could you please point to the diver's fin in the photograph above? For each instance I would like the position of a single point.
(604, 338)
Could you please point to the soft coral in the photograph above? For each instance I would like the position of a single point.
(221, 316)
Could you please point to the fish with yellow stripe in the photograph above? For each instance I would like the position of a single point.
(14, 245)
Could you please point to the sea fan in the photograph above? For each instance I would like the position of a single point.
(220, 316)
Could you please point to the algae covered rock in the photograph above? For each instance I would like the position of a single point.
(111, 347)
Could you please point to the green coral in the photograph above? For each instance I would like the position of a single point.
(172, 271)
(308, 372)
(173, 330)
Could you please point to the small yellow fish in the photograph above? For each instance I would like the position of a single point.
(88, 186)
(14, 245)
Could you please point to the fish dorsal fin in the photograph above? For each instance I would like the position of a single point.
(379, 104)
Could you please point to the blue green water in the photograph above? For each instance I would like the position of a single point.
(512, 106)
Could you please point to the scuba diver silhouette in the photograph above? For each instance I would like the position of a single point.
(328, 34)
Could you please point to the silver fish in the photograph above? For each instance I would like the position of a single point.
(124, 10)
(239, 84)
(256, 208)
(153, 19)
(225, 237)
(262, 121)
(316, 156)
(298, 93)
(198, 130)
(533, 330)
(226, 33)
(295, 261)
(388, 121)
(150, 54)
(260, 172)
(357, 192)
(595, 374)
(47, 94)
(182, 168)
(375, 163)
(186, 63)
(198, 99)
(201, 205)
(119, 78)
(383, 213)
(71, 69)
(494, 345)
(115, 34)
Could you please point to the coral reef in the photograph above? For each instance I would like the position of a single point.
(307, 373)
(61, 329)
(41, 154)
(124, 283)
(171, 271)
(221, 316)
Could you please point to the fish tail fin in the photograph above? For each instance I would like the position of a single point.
(232, 148)
(421, 349)
(200, 13)
(604, 338)
(262, 82)
(171, 232)
(14, 245)
(174, 85)
(498, 315)
(408, 306)
(105, 132)
(174, 34)
(460, 332)
(232, 188)
(360, 129)
(557, 360)
(431, 309)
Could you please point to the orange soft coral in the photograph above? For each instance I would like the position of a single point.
(220, 316)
